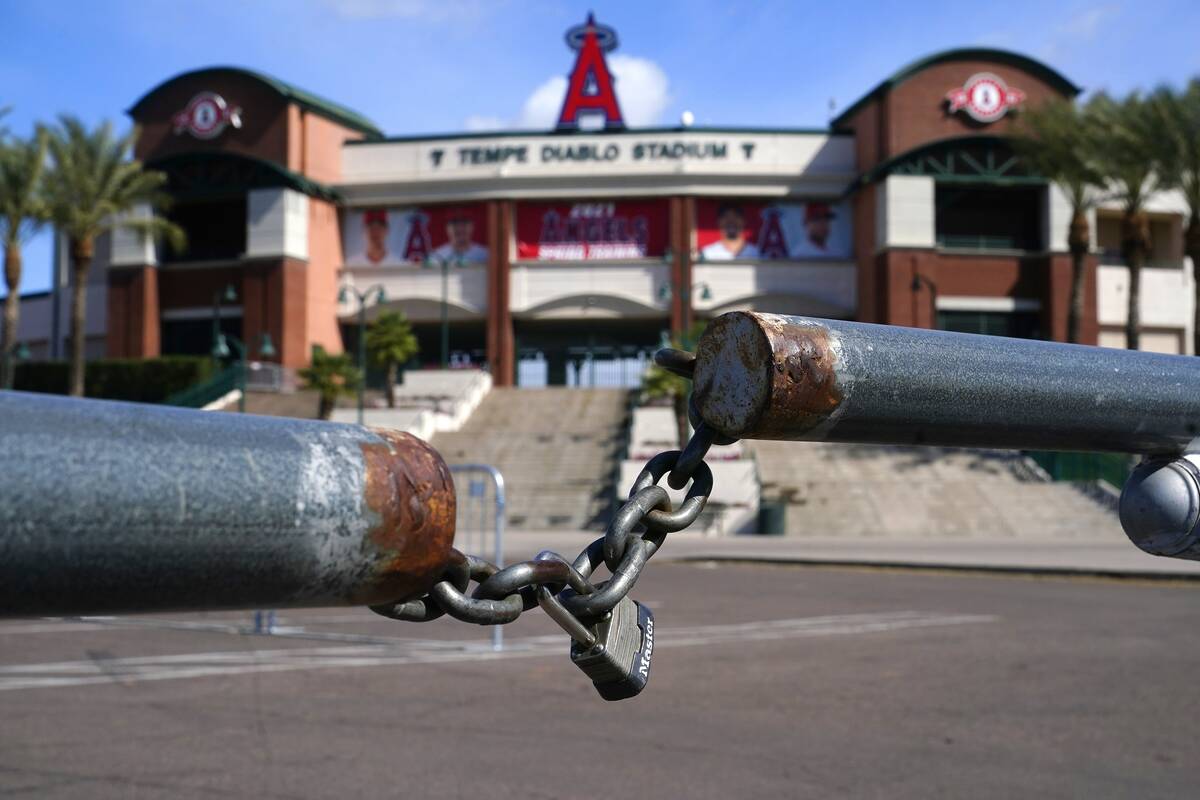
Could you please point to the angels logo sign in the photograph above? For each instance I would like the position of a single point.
(590, 85)
(985, 97)
(621, 230)
(206, 115)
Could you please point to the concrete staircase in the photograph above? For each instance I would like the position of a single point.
(557, 449)
(915, 492)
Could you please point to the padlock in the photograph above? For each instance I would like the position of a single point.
(615, 652)
(618, 662)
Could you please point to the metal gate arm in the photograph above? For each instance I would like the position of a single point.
(117, 507)
(764, 376)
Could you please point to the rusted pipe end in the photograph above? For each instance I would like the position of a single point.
(411, 490)
(765, 376)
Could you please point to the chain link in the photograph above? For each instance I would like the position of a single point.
(563, 589)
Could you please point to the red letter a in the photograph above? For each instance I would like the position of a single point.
(590, 88)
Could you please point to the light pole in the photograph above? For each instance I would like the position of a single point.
(445, 265)
(917, 281)
(221, 350)
(229, 295)
(666, 291)
(264, 620)
(344, 294)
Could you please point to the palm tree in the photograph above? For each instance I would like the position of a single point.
(1057, 140)
(331, 376)
(22, 211)
(1125, 151)
(91, 186)
(1178, 165)
(391, 342)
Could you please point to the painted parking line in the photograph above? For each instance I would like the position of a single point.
(245, 624)
(137, 669)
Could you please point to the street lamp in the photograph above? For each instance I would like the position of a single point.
(344, 294)
(221, 350)
(229, 295)
(665, 292)
(445, 265)
(267, 348)
(264, 621)
(917, 280)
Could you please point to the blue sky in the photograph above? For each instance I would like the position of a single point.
(419, 66)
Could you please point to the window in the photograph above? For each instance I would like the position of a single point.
(989, 217)
(1164, 241)
(1018, 324)
(194, 337)
(216, 229)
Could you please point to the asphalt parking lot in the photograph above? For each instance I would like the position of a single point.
(768, 681)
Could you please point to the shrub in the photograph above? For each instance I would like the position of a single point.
(142, 380)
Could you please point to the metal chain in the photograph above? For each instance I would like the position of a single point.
(564, 589)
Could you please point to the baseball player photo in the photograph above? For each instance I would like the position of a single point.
(733, 244)
(460, 230)
(821, 238)
(375, 228)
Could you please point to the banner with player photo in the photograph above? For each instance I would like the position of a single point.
(591, 231)
(393, 237)
(737, 230)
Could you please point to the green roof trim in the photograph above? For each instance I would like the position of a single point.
(305, 99)
(1010, 172)
(503, 134)
(217, 173)
(1016, 60)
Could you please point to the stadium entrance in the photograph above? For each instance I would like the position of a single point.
(604, 354)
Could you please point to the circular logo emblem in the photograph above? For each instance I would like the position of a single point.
(606, 37)
(206, 115)
(984, 97)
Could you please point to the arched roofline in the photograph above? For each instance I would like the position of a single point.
(1042, 71)
(292, 94)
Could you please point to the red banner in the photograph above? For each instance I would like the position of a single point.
(737, 230)
(591, 231)
(398, 236)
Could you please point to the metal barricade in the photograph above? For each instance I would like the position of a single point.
(110, 508)
(480, 508)
(768, 376)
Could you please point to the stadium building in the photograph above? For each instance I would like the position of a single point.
(565, 256)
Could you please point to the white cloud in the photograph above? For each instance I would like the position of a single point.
(643, 92)
(642, 89)
(1086, 24)
(482, 122)
(428, 10)
(542, 106)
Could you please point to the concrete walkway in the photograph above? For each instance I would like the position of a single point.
(1117, 558)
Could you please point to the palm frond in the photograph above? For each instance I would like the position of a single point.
(1058, 141)
(22, 202)
(94, 183)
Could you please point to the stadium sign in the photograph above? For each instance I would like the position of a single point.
(590, 89)
(984, 97)
(666, 149)
(206, 115)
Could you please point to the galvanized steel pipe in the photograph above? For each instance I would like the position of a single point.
(764, 376)
(118, 507)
